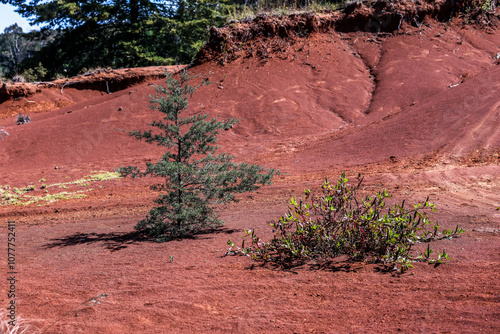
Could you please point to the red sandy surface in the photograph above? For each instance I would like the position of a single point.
(415, 111)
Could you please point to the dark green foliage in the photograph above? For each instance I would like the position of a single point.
(94, 34)
(120, 33)
(11, 50)
(196, 178)
(336, 223)
(190, 22)
(16, 51)
(111, 45)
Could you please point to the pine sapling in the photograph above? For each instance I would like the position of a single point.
(195, 177)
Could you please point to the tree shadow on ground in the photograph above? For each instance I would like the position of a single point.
(206, 233)
(341, 264)
(294, 267)
(115, 241)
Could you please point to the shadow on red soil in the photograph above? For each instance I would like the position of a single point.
(407, 98)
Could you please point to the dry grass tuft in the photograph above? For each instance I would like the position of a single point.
(21, 326)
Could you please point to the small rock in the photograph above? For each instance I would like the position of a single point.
(120, 109)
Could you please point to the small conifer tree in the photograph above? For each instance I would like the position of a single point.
(195, 178)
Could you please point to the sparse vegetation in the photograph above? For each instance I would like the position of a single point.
(268, 7)
(86, 180)
(100, 176)
(19, 196)
(21, 326)
(337, 223)
(33, 74)
(195, 179)
(23, 119)
(3, 133)
(31, 187)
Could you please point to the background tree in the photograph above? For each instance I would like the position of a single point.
(195, 177)
(122, 33)
(11, 49)
(17, 50)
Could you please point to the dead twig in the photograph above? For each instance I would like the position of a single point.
(44, 83)
(25, 99)
(3, 133)
(74, 310)
(69, 83)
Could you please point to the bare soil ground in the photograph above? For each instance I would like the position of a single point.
(415, 109)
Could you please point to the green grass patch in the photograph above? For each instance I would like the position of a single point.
(87, 180)
(21, 196)
(271, 8)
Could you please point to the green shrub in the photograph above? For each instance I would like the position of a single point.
(337, 223)
(34, 74)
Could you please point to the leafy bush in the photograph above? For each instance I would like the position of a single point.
(34, 74)
(336, 223)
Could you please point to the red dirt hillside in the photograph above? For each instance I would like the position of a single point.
(405, 94)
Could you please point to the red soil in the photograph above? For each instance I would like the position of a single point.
(416, 111)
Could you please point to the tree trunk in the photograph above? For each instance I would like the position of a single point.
(179, 176)
(134, 11)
